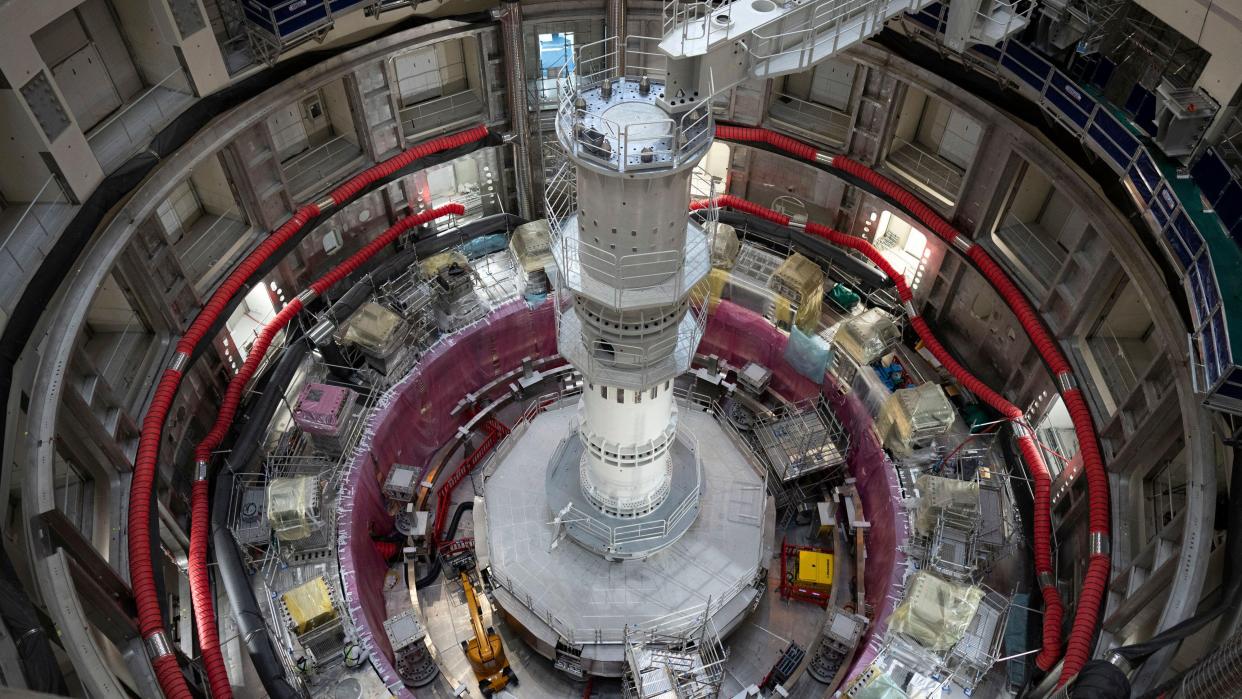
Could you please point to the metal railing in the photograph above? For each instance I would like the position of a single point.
(628, 279)
(629, 366)
(313, 168)
(140, 133)
(440, 112)
(927, 169)
(667, 142)
(817, 30)
(1094, 122)
(823, 123)
(33, 215)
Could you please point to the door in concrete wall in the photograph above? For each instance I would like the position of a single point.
(87, 88)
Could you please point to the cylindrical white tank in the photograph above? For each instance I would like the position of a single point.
(626, 436)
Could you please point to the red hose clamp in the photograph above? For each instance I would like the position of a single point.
(158, 645)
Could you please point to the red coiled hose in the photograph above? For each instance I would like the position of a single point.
(200, 581)
(1050, 650)
(141, 568)
(1086, 616)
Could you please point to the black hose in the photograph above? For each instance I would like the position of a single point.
(230, 570)
(1231, 586)
(434, 572)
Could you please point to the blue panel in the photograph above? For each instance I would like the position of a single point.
(990, 51)
(1028, 58)
(1210, 295)
(1229, 205)
(1179, 248)
(1103, 71)
(342, 5)
(1068, 106)
(1147, 170)
(1120, 135)
(1229, 390)
(1222, 343)
(1116, 154)
(1142, 105)
(1212, 175)
(283, 18)
(1159, 208)
(1022, 72)
(1210, 361)
(1186, 230)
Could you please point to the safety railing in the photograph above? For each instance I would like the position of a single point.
(140, 119)
(35, 216)
(927, 169)
(1098, 125)
(441, 112)
(310, 170)
(667, 142)
(287, 20)
(997, 19)
(629, 366)
(821, 122)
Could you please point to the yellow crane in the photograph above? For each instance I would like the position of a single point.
(485, 651)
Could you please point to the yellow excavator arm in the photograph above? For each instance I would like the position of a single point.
(476, 621)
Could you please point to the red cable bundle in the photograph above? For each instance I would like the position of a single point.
(142, 573)
(200, 581)
(1086, 617)
(1053, 609)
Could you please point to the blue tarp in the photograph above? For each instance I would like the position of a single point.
(484, 245)
(808, 355)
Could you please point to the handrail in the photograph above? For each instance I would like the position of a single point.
(98, 128)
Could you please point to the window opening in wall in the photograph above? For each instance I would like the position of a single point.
(904, 246)
(75, 494)
(1164, 495)
(315, 138)
(179, 211)
(1119, 347)
(205, 224)
(119, 341)
(1055, 432)
(469, 180)
(437, 85)
(817, 102)
(933, 144)
(255, 310)
(556, 61)
(1035, 230)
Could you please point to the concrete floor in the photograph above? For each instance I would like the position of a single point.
(131, 130)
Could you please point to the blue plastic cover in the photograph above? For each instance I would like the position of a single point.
(809, 355)
(484, 245)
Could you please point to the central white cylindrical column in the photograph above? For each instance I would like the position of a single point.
(626, 435)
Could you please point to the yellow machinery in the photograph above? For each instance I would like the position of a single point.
(485, 651)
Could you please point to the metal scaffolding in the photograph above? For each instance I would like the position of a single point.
(688, 665)
(801, 439)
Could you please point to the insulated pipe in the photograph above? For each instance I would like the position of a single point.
(510, 15)
(142, 485)
(1086, 618)
(1054, 611)
(200, 580)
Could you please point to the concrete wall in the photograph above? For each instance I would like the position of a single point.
(337, 105)
(213, 187)
(1217, 26)
(19, 63)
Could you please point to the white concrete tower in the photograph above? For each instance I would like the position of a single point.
(628, 254)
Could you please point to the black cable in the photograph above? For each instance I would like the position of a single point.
(434, 572)
(1231, 594)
